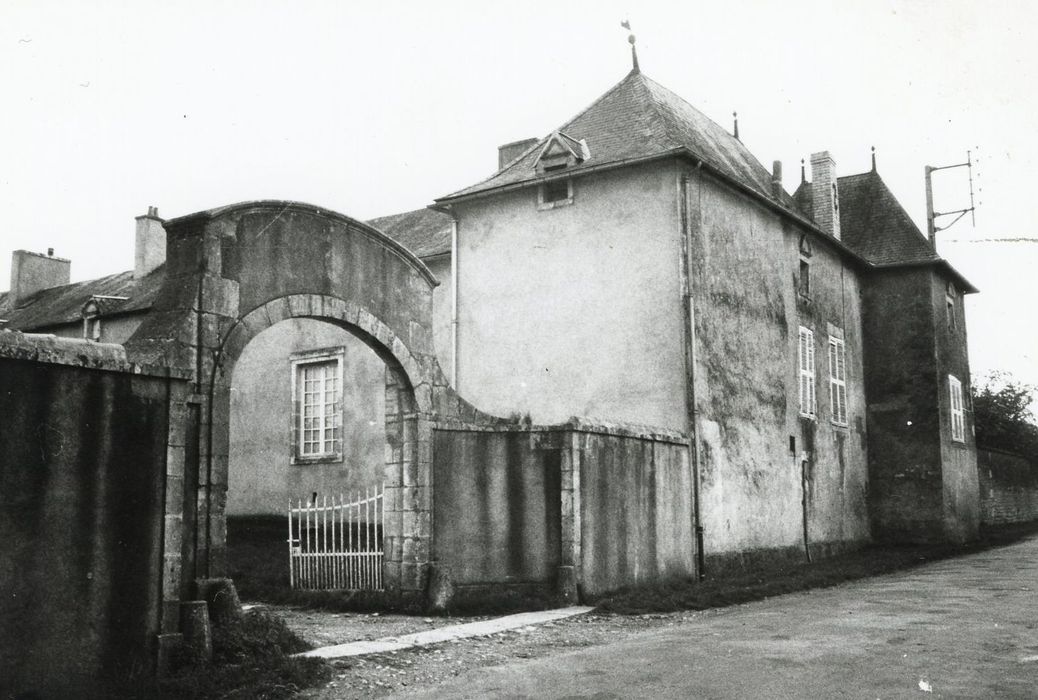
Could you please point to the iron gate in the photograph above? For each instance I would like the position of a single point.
(337, 545)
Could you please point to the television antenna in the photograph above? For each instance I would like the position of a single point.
(931, 216)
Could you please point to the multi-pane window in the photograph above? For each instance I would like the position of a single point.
(838, 380)
(806, 363)
(958, 421)
(318, 398)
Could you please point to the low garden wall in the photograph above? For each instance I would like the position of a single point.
(583, 508)
(1008, 487)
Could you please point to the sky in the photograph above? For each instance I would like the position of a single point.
(376, 108)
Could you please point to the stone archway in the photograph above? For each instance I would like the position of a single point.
(405, 491)
(235, 271)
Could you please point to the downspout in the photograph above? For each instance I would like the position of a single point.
(454, 300)
(692, 411)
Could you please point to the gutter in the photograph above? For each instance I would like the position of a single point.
(679, 152)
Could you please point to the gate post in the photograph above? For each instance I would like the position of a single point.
(569, 578)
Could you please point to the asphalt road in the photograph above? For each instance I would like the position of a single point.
(961, 628)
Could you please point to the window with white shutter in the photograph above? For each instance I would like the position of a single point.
(837, 380)
(958, 421)
(806, 363)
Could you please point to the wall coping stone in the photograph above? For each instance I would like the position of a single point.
(75, 352)
(583, 425)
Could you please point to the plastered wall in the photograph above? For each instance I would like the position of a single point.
(262, 478)
(574, 310)
(758, 456)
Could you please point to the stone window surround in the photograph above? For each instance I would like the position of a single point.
(542, 191)
(298, 361)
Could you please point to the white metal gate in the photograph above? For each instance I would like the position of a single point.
(337, 546)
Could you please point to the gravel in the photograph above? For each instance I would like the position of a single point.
(379, 675)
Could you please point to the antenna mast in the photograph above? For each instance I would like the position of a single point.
(931, 216)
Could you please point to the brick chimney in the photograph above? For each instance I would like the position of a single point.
(31, 272)
(510, 151)
(825, 195)
(150, 249)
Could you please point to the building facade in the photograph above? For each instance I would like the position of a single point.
(640, 267)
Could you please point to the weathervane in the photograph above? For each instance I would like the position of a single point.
(626, 24)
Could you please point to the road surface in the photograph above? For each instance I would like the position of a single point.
(959, 628)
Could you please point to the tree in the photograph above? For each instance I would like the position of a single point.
(1002, 415)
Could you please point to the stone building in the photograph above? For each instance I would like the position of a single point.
(637, 266)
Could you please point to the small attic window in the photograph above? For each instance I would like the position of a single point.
(556, 193)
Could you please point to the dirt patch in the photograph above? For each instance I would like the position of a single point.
(378, 675)
(322, 629)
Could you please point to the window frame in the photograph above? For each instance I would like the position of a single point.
(806, 375)
(957, 412)
(804, 278)
(299, 362)
(837, 349)
(542, 191)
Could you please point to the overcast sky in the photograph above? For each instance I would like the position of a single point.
(378, 107)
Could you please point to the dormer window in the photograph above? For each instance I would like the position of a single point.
(560, 152)
(96, 306)
(91, 322)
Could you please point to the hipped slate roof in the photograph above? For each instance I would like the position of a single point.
(635, 120)
(875, 225)
(424, 232)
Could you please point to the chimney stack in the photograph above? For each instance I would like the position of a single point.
(825, 194)
(31, 272)
(150, 249)
(510, 151)
(776, 179)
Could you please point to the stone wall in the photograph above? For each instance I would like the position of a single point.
(1008, 488)
(89, 507)
(580, 507)
(923, 485)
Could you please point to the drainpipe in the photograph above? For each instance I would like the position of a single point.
(692, 411)
(803, 501)
(454, 300)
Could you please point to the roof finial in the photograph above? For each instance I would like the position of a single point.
(873, 159)
(626, 24)
(735, 116)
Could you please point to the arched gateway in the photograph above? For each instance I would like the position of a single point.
(235, 271)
